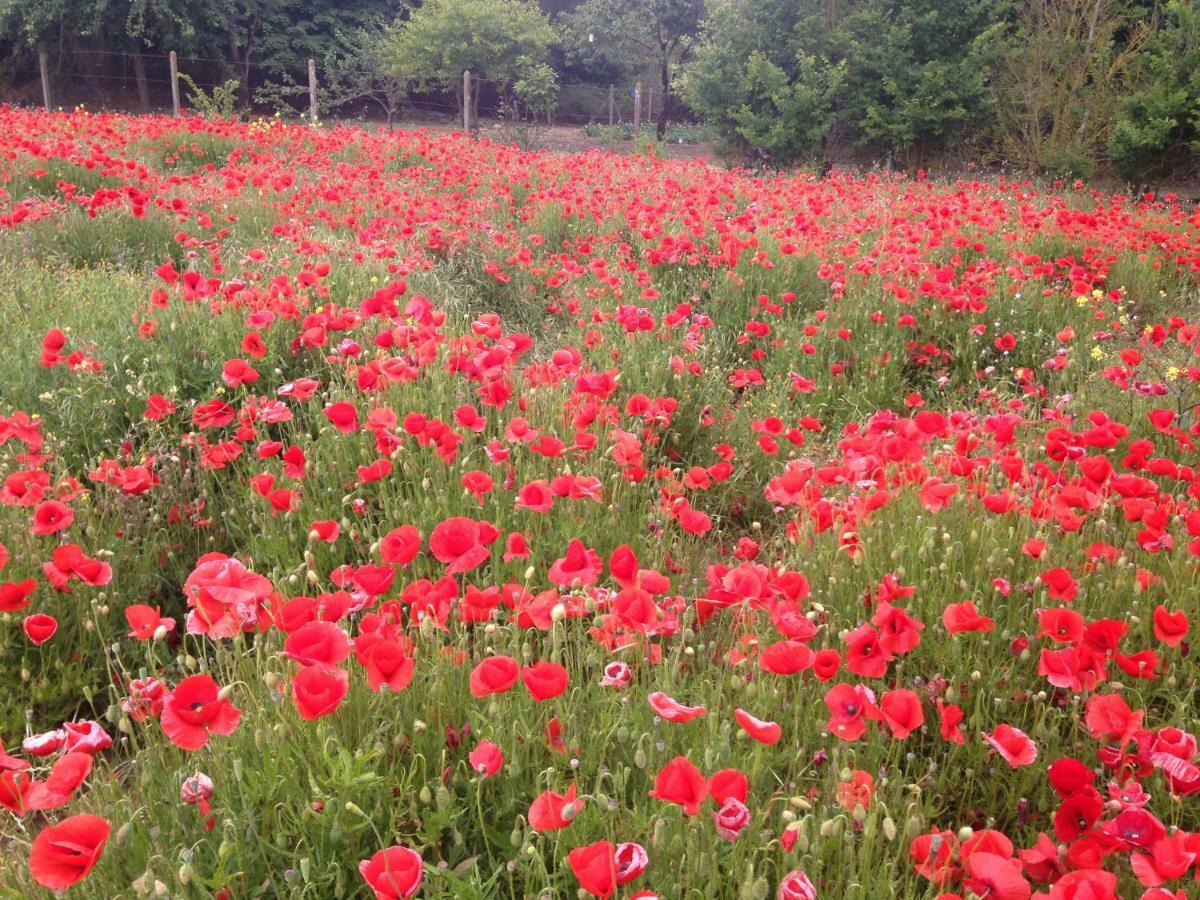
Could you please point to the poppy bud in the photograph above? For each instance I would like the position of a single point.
(660, 834)
(913, 825)
(889, 828)
(225, 692)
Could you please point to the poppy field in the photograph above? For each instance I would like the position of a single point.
(387, 514)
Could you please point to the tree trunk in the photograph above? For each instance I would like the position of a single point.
(139, 73)
(88, 67)
(664, 110)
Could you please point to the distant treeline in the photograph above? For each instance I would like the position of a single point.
(1063, 87)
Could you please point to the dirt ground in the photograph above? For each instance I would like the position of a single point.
(568, 139)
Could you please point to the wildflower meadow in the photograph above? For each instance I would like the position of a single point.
(391, 514)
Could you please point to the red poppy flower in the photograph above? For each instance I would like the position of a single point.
(550, 811)
(387, 664)
(318, 690)
(1060, 584)
(960, 617)
(400, 546)
(1014, 745)
(67, 774)
(679, 781)
(317, 643)
(343, 416)
(848, 708)
(595, 868)
(494, 675)
(785, 658)
(51, 517)
(544, 680)
(194, 710)
(457, 543)
(1170, 627)
(762, 731)
(86, 736)
(728, 783)
(994, 876)
(63, 854)
(672, 710)
(866, 655)
(826, 664)
(14, 596)
(581, 565)
(796, 885)
(486, 759)
(901, 711)
(1109, 718)
(394, 873)
(144, 621)
(39, 628)
(225, 597)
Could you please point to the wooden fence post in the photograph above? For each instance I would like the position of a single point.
(611, 105)
(312, 90)
(174, 83)
(467, 100)
(637, 108)
(44, 68)
(649, 104)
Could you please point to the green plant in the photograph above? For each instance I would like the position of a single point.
(1158, 127)
(495, 40)
(220, 103)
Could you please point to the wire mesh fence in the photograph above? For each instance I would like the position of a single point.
(142, 82)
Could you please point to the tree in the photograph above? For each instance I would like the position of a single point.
(901, 78)
(496, 40)
(914, 84)
(1159, 122)
(624, 35)
(763, 76)
(1057, 75)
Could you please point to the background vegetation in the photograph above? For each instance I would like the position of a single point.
(1071, 88)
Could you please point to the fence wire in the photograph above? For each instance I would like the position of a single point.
(140, 82)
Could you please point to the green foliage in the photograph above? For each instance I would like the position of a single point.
(783, 113)
(1057, 72)
(498, 40)
(536, 92)
(626, 39)
(1160, 121)
(220, 103)
(898, 78)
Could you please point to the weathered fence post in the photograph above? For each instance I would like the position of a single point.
(174, 83)
(467, 100)
(44, 68)
(637, 108)
(312, 90)
(611, 105)
(649, 104)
